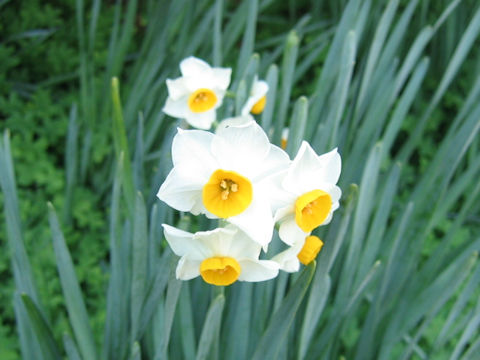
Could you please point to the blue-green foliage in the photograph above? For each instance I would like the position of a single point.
(39, 61)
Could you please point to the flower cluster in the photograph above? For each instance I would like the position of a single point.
(237, 175)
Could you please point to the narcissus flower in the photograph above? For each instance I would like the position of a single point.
(197, 93)
(311, 195)
(221, 256)
(284, 140)
(258, 98)
(233, 174)
(304, 251)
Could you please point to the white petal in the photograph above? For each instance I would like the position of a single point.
(256, 221)
(241, 148)
(222, 77)
(192, 147)
(176, 108)
(217, 240)
(177, 88)
(259, 89)
(289, 231)
(234, 121)
(192, 66)
(335, 193)
(183, 243)
(285, 133)
(331, 165)
(187, 269)
(287, 259)
(284, 211)
(257, 270)
(277, 160)
(202, 120)
(300, 174)
(309, 171)
(179, 191)
(276, 195)
(248, 106)
(241, 246)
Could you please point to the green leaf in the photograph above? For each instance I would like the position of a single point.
(217, 34)
(155, 290)
(116, 327)
(121, 146)
(360, 221)
(138, 162)
(328, 138)
(186, 323)
(376, 47)
(139, 264)
(461, 51)
(42, 330)
(297, 126)
(173, 292)
(77, 311)
(468, 334)
(315, 305)
(376, 233)
(267, 114)
(71, 163)
(282, 319)
(71, 348)
(136, 352)
(321, 283)
(248, 40)
(210, 327)
(29, 343)
(288, 70)
(20, 263)
(241, 307)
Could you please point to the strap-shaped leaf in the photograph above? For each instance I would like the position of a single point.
(77, 311)
(277, 330)
(71, 348)
(210, 327)
(42, 330)
(139, 264)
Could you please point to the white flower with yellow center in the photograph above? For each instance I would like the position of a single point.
(197, 93)
(311, 195)
(304, 251)
(233, 174)
(258, 98)
(221, 256)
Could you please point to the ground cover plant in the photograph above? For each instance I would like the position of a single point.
(394, 85)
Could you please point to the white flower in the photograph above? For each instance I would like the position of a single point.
(257, 99)
(311, 195)
(233, 174)
(284, 141)
(221, 256)
(197, 93)
(303, 251)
